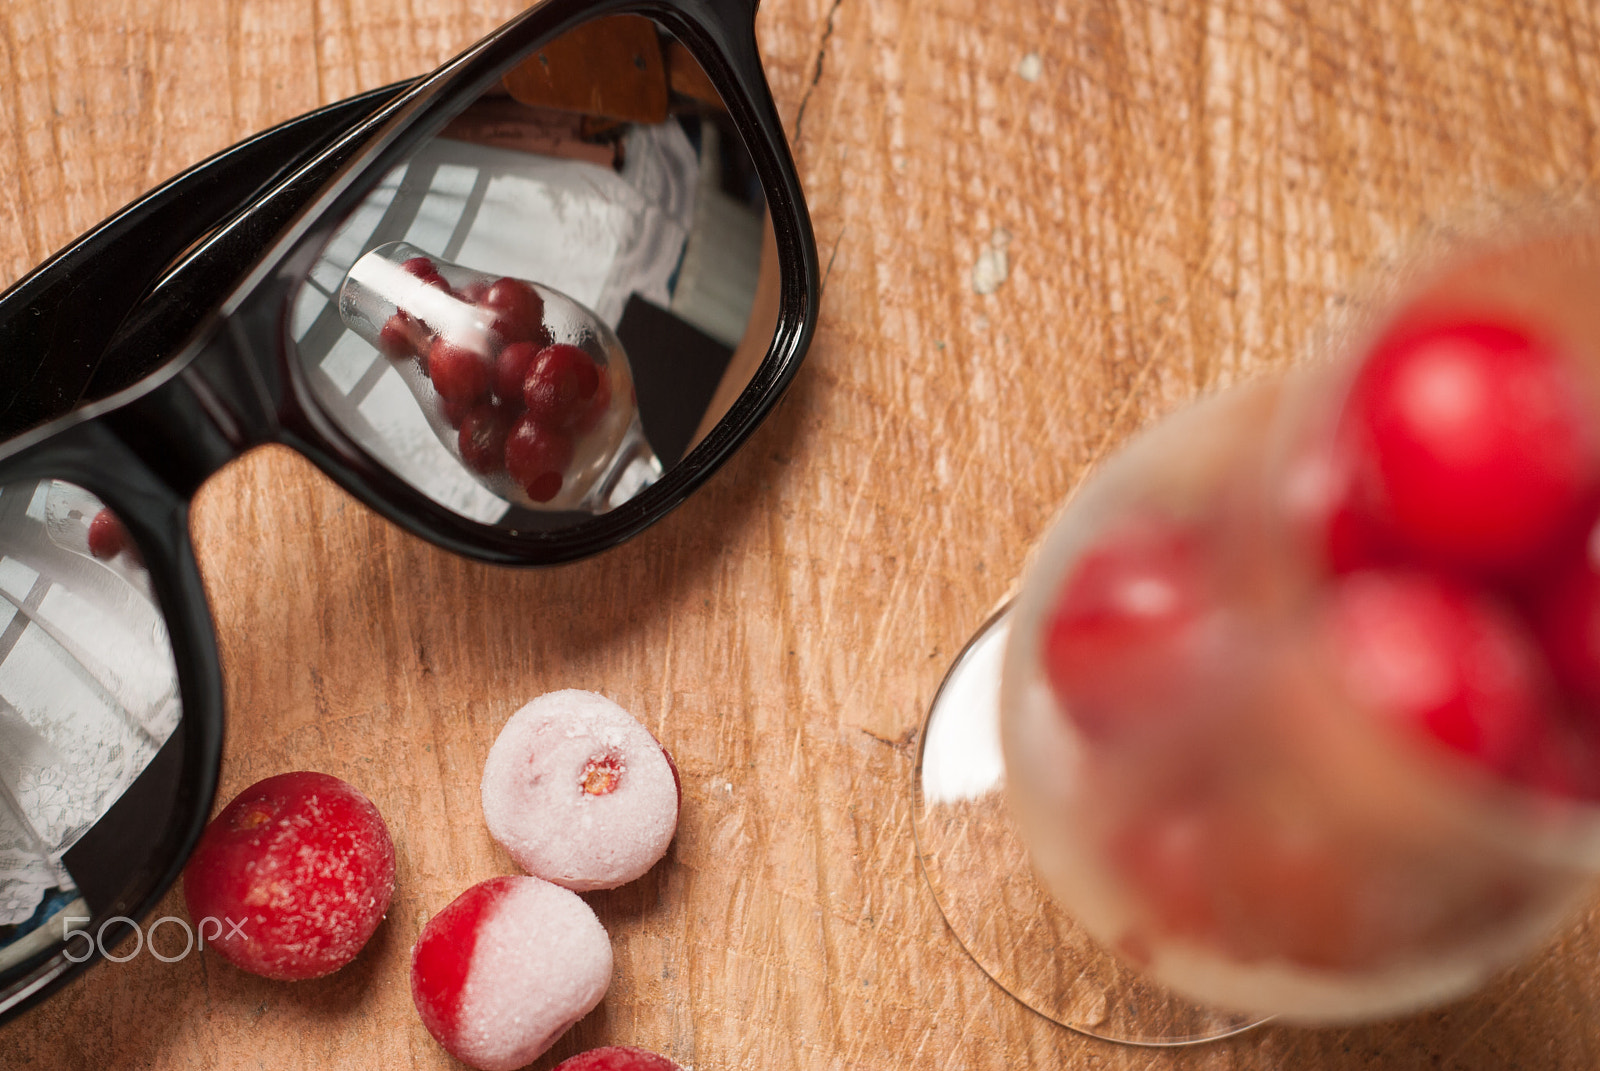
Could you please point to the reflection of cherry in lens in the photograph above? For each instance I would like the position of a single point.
(536, 456)
(107, 536)
(511, 371)
(459, 373)
(560, 386)
(518, 310)
(427, 271)
(482, 439)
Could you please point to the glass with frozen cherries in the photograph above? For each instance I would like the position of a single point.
(1300, 708)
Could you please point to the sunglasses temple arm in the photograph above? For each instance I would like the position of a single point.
(56, 322)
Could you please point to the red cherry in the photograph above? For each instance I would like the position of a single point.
(304, 865)
(677, 781)
(536, 457)
(506, 968)
(561, 385)
(482, 440)
(1469, 444)
(107, 536)
(443, 953)
(518, 309)
(473, 292)
(1440, 660)
(511, 371)
(617, 1058)
(459, 374)
(1125, 626)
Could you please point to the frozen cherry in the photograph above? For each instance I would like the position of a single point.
(482, 439)
(1566, 614)
(1317, 504)
(561, 385)
(1469, 444)
(1440, 660)
(536, 457)
(1163, 855)
(518, 311)
(297, 871)
(1125, 624)
(1280, 890)
(1212, 875)
(511, 371)
(506, 968)
(579, 792)
(458, 373)
(107, 536)
(617, 1058)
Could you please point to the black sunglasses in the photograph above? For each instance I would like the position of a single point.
(522, 307)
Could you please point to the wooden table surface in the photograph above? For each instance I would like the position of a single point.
(1180, 189)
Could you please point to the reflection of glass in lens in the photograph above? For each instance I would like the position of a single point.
(623, 186)
(88, 697)
(525, 387)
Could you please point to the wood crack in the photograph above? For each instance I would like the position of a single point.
(816, 71)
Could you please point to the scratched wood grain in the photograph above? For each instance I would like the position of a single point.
(1158, 197)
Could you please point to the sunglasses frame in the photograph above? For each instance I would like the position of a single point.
(236, 383)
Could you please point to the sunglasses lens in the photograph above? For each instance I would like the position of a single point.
(555, 298)
(89, 719)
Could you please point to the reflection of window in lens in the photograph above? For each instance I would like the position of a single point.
(604, 167)
(88, 699)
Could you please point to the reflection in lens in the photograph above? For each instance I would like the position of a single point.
(605, 169)
(88, 700)
(531, 390)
